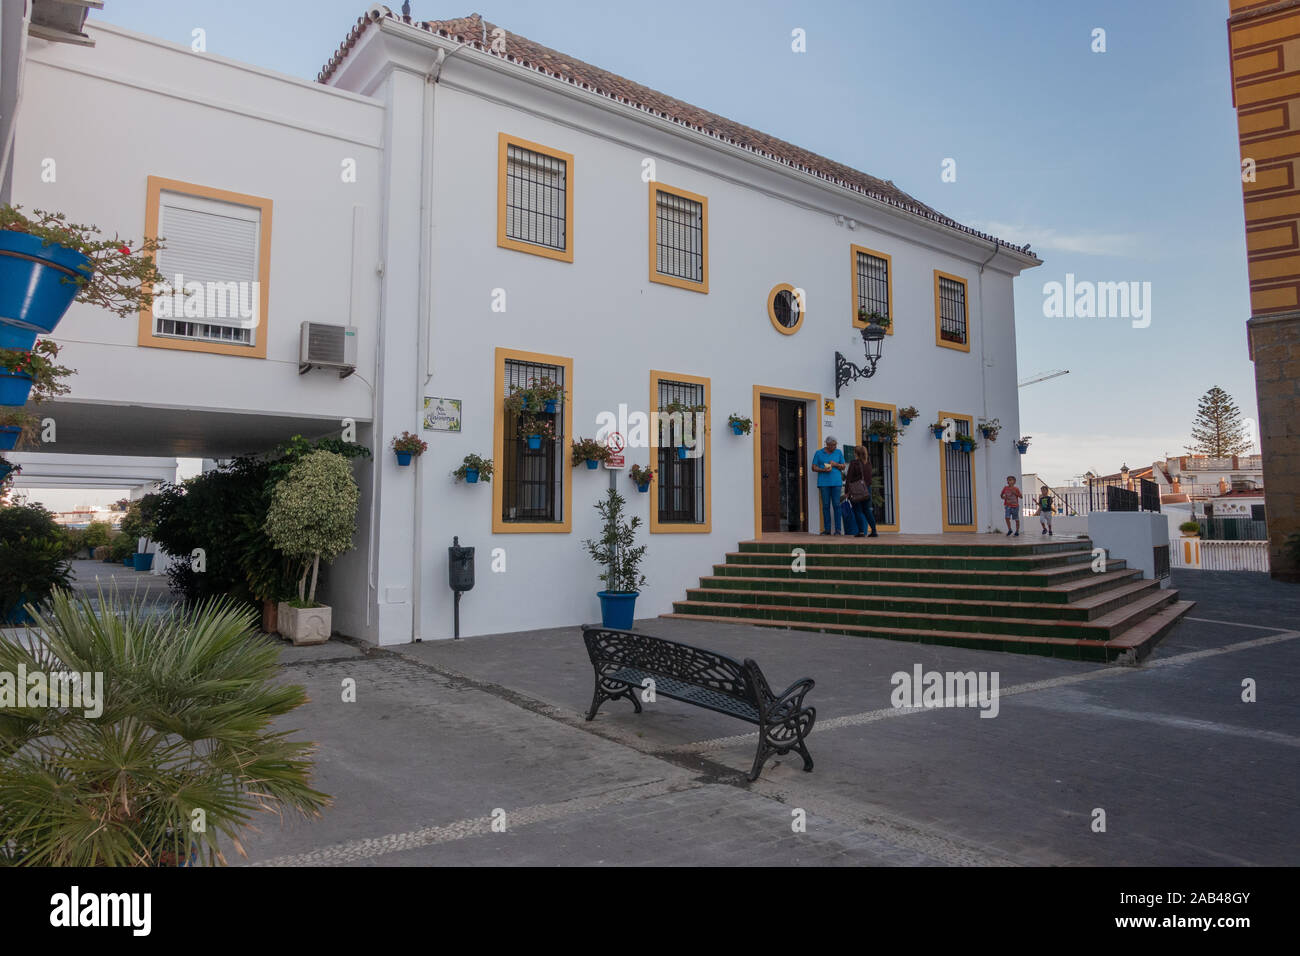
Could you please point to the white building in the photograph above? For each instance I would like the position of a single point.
(483, 210)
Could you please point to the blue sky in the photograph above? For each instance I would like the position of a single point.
(1116, 166)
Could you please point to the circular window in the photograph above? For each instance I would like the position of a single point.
(785, 308)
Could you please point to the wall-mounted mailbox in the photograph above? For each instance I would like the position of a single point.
(460, 567)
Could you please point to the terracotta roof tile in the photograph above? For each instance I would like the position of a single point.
(473, 29)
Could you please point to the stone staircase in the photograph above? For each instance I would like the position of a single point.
(1026, 597)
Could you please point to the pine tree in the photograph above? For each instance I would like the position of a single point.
(1218, 430)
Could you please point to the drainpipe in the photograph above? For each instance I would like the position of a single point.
(984, 385)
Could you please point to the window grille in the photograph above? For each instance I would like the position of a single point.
(535, 198)
(873, 284)
(681, 480)
(881, 456)
(952, 310)
(679, 237)
(532, 478)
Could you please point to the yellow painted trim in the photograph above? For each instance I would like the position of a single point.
(965, 296)
(681, 527)
(858, 406)
(771, 308)
(499, 525)
(146, 338)
(853, 272)
(756, 435)
(943, 478)
(504, 142)
(655, 274)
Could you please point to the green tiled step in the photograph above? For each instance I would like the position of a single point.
(966, 604)
(1046, 577)
(1064, 593)
(840, 545)
(1137, 640)
(964, 562)
(834, 611)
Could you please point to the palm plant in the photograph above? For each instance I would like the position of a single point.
(181, 755)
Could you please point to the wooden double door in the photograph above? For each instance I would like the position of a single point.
(783, 460)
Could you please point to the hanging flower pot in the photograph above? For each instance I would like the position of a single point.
(683, 452)
(740, 425)
(407, 446)
(9, 436)
(37, 281)
(473, 467)
(534, 442)
(592, 464)
(14, 387)
(904, 420)
(13, 337)
(471, 475)
(938, 430)
(403, 458)
(550, 406)
(1022, 447)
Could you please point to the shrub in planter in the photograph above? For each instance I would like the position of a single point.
(590, 451)
(641, 477)
(873, 318)
(1190, 528)
(989, 429)
(32, 560)
(312, 518)
(187, 720)
(120, 548)
(407, 446)
(1022, 443)
(619, 557)
(473, 468)
(908, 415)
(882, 430)
(37, 365)
(740, 425)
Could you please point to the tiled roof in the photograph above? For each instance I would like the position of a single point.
(477, 32)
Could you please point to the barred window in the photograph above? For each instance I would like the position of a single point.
(532, 478)
(680, 238)
(873, 283)
(535, 199)
(952, 309)
(681, 480)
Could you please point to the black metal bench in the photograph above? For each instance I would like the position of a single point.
(624, 659)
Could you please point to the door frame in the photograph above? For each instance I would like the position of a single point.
(858, 406)
(973, 527)
(765, 391)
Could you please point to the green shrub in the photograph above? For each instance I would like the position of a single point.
(1190, 527)
(97, 533)
(313, 515)
(121, 548)
(32, 558)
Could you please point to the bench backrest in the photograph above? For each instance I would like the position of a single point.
(613, 649)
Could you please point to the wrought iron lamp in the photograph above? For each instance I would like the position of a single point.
(873, 337)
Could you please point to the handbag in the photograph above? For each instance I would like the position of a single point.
(857, 489)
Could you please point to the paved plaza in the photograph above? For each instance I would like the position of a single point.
(446, 738)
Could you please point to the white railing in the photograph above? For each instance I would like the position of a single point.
(1205, 555)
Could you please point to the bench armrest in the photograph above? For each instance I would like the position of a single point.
(794, 694)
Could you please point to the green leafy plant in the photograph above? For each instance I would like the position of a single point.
(313, 515)
(588, 449)
(189, 702)
(990, 428)
(534, 396)
(410, 443)
(123, 273)
(1023, 440)
(32, 558)
(120, 548)
(540, 425)
(641, 476)
(97, 533)
(12, 416)
(873, 318)
(482, 465)
(1191, 527)
(39, 364)
(909, 412)
(963, 437)
(885, 429)
(736, 420)
(616, 551)
(140, 520)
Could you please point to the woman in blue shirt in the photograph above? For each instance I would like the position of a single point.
(829, 464)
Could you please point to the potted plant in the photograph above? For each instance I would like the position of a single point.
(312, 518)
(990, 428)
(883, 430)
(137, 528)
(642, 477)
(16, 425)
(1022, 444)
(536, 429)
(472, 468)
(32, 562)
(907, 415)
(539, 396)
(740, 425)
(873, 318)
(31, 373)
(8, 472)
(590, 451)
(617, 553)
(937, 429)
(46, 263)
(965, 442)
(407, 445)
(1190, 529)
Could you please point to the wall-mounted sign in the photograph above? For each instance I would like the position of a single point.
(616, 444)
(828, 406)
(442, 414)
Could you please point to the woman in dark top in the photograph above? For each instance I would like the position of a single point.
(860, 470)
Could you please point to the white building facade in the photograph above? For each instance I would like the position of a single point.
(481, 219)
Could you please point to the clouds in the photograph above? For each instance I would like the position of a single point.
(1082, 242)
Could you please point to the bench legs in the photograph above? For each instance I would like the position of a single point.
(607, 689)
(779, 739)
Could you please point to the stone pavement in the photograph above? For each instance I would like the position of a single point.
(446, 737)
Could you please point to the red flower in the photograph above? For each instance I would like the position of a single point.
(125, 250)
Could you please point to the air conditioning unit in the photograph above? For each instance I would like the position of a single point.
(327, 346)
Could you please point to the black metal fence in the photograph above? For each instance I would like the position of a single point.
(1150, 494)
(1233, 529)
(1121, 499)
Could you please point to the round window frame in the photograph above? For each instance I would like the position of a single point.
(771, 308)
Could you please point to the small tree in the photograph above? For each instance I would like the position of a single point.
(1218, 430)
(614, 551)
(313, 514)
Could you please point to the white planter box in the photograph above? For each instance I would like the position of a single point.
(304, 625)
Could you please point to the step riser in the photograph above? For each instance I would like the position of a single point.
(866, 546)
(1018, 565)
(943, 592)
(916, 575)
(894, 604)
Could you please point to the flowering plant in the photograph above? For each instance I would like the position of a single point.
(38, 365)
(642, 476)
(413, 444)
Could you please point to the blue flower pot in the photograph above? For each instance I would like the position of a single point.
(129, 562)
(9, 437)
(874, 438)
(18, 617)
(33, 293)
(471, 475)
(616, 609)
(938, 432)
(643, 488)
(737, 430)
(592, 464)
(1022, 449)
(904, 420)
(550, 406)
(403, 458)
(14, 387)
(13, 337)
(142, 562)
(534, 442)
(4, 472)
(683, 452)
